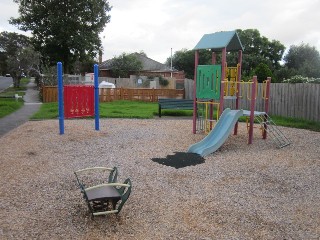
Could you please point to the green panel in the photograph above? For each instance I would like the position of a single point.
(208, 81)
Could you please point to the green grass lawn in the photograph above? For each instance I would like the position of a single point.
(115, 109)
(8, 104)
(128, 109)
(135, 109)
(296, 123)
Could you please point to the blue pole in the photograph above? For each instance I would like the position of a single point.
(96, 96)
(60, 98)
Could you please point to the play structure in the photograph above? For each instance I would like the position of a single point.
(77, 101)
(218, 84)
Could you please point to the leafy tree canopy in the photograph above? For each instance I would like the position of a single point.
(124, 64)
(183, 60)
(20, 57)
(303, 60)
(262, 72)
(10, 43)
(258, 49)
(64, 30)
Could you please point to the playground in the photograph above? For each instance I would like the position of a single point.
(241, 191)
(209, 185)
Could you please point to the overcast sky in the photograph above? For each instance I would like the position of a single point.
(156, 26)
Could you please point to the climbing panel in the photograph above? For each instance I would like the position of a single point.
(208, 82)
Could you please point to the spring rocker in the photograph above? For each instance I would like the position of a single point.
(103, 193)
(216, 84)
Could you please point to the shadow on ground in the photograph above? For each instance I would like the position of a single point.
(180, 160)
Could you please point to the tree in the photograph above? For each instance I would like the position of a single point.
(64, 30)
(183, 60)
(25, 61)
(3, 62)
(19, 56)
(124, 64)
(263, 72)
(258, 49)
(303, 60)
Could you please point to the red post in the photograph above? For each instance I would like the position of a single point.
(266, 106)
(252, 106)
(238, 87)
(213, 58)
(196, 62)
(223, 75)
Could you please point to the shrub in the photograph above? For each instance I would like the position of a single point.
(263, 71)
(302, 79)
(163, 82)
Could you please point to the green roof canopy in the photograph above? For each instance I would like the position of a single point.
(219, 40)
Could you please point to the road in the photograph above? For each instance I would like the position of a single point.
(5, 82)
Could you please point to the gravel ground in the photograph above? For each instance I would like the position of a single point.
(240, 192)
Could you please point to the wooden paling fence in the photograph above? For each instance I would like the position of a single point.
(138, 94)
(50, 94)
(300, 100)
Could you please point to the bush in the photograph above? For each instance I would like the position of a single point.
(302, 79)
(263, 71)
(163, 82)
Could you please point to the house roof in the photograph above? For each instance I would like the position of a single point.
(220, 40)
(148, 64)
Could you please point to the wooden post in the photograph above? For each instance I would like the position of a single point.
(238, 87)
(196, 62)
(223, 75)
(213, 58)
(154, 95)
(266, 106)
(252, 106)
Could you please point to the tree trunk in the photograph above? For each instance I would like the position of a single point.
(16, 82)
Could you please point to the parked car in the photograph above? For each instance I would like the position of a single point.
(8, 75)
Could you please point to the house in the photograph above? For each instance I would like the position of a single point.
(150, 67)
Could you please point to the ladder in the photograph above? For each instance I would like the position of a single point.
(270, 127)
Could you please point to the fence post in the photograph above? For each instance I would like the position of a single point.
(153, 95)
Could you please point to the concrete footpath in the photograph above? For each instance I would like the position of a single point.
(31, 106)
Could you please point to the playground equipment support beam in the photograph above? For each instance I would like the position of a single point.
(196, 62)
(223, 76)
(60, 98)
(252, 106)
(213, 58)
(238, 87)
(96, 97)
(266, 106)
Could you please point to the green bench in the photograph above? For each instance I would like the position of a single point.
(172, 103)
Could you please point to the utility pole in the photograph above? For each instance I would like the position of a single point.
(171, 62)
